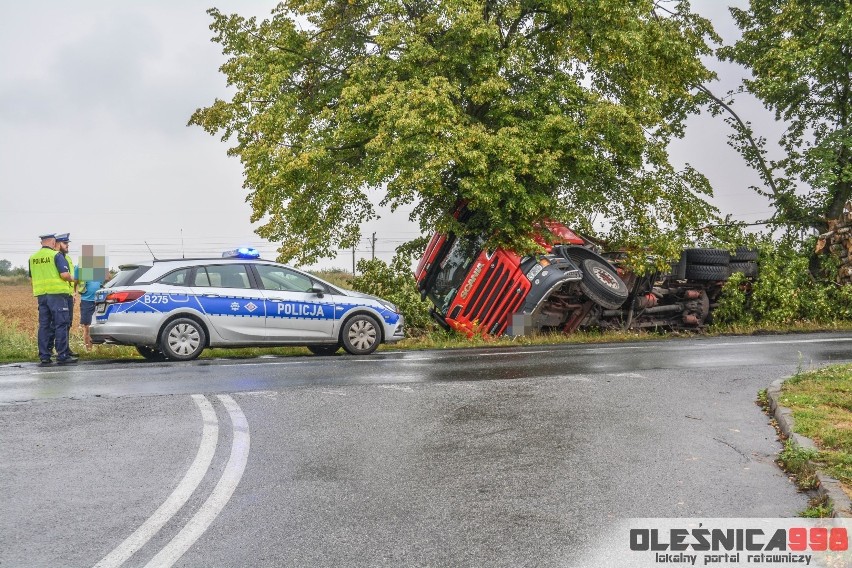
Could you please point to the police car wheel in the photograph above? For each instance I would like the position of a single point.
(323, 349)
(182, 339)
(150, 353)
(360, 335)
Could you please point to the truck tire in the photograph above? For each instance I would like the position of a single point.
(707, 256)
(743, 254)
(578, 254)
(707, 272)
(747, 268)
(602, 285)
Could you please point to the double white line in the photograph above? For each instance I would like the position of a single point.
(187, 486)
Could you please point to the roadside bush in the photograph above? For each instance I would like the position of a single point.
(786, 291)
(734, 308)
(337, 276)
(395, 282)
(14, 280)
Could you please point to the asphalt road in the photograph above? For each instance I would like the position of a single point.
(476, 457)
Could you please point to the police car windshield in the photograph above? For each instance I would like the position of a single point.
(127, 276)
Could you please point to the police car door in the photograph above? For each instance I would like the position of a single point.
(233, 306)
(295, 312)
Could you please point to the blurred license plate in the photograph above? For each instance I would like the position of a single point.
(100, 308)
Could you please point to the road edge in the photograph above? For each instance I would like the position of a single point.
(828, 487)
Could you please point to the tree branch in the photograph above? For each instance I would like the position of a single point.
(767, 175)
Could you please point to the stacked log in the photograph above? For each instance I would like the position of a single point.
(838, 241)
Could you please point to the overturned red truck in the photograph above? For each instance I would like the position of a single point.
(573, 285)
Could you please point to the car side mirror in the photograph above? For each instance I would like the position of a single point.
(318, 290)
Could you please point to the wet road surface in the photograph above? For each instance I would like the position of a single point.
(455, 458)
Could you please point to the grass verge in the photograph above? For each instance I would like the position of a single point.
(821, 402)
(19, 343)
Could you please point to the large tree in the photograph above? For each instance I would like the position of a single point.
(523, 109)
(800, 56)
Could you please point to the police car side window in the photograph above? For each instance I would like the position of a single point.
(282, 279)
(222, 276)
(201, 277)
(176, 278)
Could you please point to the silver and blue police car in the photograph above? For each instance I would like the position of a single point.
(173, 309)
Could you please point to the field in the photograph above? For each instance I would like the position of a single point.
(19, 332)
(18, 307)
(19, 328)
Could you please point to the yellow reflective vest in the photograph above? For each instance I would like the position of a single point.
(46, 279)
(71, 271)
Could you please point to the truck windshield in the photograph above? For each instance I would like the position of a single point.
(454, 268)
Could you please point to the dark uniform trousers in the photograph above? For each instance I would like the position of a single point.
(54, 319)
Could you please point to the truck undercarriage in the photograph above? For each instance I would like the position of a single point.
(573, 286)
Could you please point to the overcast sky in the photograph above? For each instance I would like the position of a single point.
(94, 100)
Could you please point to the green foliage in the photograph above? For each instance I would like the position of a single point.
(786, 291)
(799, 462)
(15, 345)
(818, 508)
(395, 283)
(7, 270)
(523, 110)
(336, 276)
(733, 305)
(798, 55)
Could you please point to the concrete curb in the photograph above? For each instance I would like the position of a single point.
(828, 486)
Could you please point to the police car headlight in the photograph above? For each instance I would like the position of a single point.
(389, 306)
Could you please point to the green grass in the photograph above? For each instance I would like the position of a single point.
(799, 462)
(821, 402)
(16, 346)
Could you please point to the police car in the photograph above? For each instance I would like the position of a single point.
(173, 309)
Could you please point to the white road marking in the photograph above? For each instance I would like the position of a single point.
(184, 489)
(220, 495)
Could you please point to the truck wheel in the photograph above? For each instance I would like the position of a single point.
(182, 339)
(747, 268)
(706, 272)
(602, 285)
(743, 254)
(150, 353)
(578, 254)
(707, 256)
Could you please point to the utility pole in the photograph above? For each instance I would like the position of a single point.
(374, 246)
(353, 261)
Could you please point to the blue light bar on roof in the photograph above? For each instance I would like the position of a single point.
(242, 252)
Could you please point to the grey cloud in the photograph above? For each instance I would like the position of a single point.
(123, 71)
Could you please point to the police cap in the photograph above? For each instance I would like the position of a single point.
(63, 237)
(47, 236)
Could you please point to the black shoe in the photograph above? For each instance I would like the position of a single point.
(68, 361)
(72, 354)
(45, 363)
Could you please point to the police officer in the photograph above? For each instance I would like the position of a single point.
(63, 242)
(50, 279)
